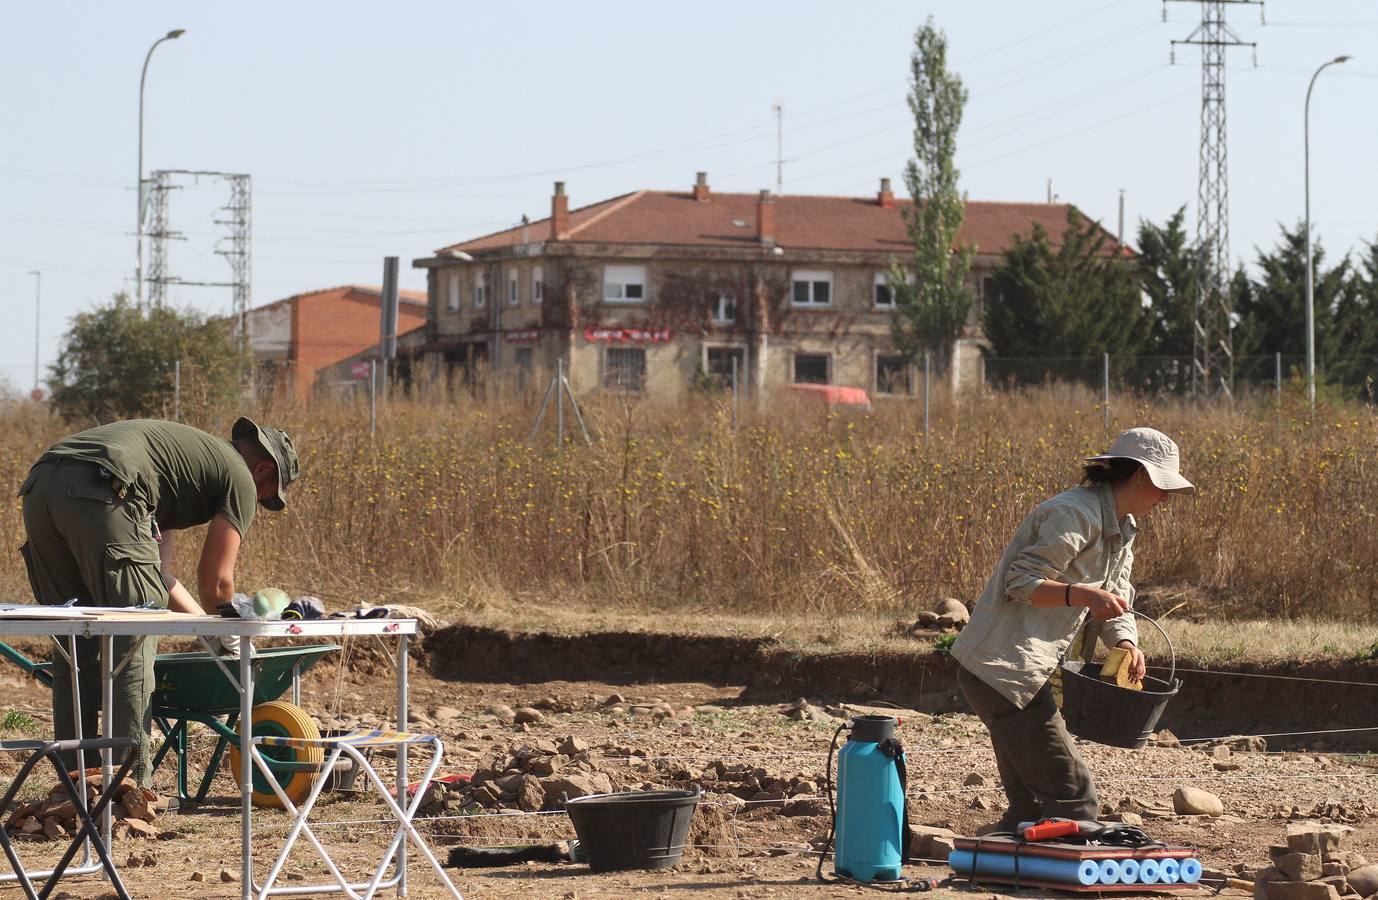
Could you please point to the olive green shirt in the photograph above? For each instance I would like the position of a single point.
(1073, 538)
(186, 476)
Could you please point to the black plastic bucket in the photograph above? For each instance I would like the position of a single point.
(634, 829)
(1109, 714)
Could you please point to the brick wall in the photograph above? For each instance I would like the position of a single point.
(331, 325)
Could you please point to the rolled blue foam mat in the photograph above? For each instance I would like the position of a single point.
(1149, 871)
(1037, 868)
(1129, 871)
(1169, 871)
(1190, 870)
(1109, 871)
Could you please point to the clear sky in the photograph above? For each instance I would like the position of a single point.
(374, 129)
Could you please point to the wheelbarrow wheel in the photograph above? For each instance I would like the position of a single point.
(296, 768)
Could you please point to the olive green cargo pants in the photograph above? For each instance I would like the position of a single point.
(90, 540)
(1043, 775)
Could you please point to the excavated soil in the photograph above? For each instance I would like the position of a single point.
(747, 737)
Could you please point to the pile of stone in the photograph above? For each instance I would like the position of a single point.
(134, 810)
(1316, 864)
(796, 794)
(538, 776)
(949, 615)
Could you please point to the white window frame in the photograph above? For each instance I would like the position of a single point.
(513, 291)
(883, 280)
(451, 291)
(794, 367)
(607, 368)
(621, 278)
(812, 277)
(480, 289)
(537, 285)
(720, 302)
(875, 374)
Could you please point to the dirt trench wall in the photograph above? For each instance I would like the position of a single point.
(1305, 696)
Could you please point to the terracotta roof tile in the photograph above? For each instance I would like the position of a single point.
(801, 223)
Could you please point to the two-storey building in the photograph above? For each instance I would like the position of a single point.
(660, 291)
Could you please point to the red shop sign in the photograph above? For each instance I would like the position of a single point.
(523, 336)
(628, 335)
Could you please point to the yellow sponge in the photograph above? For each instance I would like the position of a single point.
(1115, 670)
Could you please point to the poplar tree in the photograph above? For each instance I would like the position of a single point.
(930, 289)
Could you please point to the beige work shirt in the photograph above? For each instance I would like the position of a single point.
(1073, 537)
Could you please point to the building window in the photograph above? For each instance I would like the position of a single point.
(537, 285)
(724, 310)
(452, 290)
(885, 294)
(811, 368)
(813, 288)
(480, 289)
(624, 368)
(894, 375)
(624, 284)
(512, 287)
(718, 365)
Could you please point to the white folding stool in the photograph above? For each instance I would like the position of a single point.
(348, 745)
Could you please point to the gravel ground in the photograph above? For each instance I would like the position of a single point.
(744, 849)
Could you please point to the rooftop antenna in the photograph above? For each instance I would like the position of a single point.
(779, 109)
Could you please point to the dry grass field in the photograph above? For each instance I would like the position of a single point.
(798, 512)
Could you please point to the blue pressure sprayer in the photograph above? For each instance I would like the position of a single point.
(870, 822)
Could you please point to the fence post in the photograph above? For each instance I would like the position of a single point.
(1277, 373)
(1105, 378)
(177, 390)
(560, 404)
(372, 396)
(734, 391)
(925, 395)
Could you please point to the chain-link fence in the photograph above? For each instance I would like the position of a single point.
(1166, 375)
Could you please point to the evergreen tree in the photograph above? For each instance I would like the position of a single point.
(1168, 270)
(931, 311)
(1076, 300)
(1272, 307)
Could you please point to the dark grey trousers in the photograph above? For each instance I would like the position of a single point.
(1042, 773)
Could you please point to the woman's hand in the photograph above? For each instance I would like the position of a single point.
(1101, 603)
(1138, 666)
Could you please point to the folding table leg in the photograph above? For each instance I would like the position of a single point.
(89, 830)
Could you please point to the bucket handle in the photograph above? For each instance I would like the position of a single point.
(1172, 651)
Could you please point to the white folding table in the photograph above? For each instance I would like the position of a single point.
(107, 624)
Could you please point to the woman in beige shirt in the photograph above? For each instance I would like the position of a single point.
(1071, 557)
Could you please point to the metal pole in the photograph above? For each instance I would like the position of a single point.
(139, 184)
(177, 390)
(734, 391)
(1105, 380)
(1277, 373)
(1310, 264)
(372, 396)
(560, 404)
(926, 369)
(37, 306)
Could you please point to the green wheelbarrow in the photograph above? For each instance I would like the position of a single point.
(192, 687)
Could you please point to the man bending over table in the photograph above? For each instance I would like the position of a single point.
(100, 512)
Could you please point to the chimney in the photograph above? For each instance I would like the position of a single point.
(559, 213)
(701, 187)
(886, 197)
(765, 219)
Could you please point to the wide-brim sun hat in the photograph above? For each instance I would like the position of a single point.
(1153, 450)
(278, 445)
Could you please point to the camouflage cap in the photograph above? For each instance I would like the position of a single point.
(277, 444)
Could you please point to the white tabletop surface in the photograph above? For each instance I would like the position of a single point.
(175, 623)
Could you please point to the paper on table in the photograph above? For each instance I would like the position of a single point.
(35, 611)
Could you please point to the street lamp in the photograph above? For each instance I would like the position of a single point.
(37, 307)
(139, 185)
(1310, 264)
